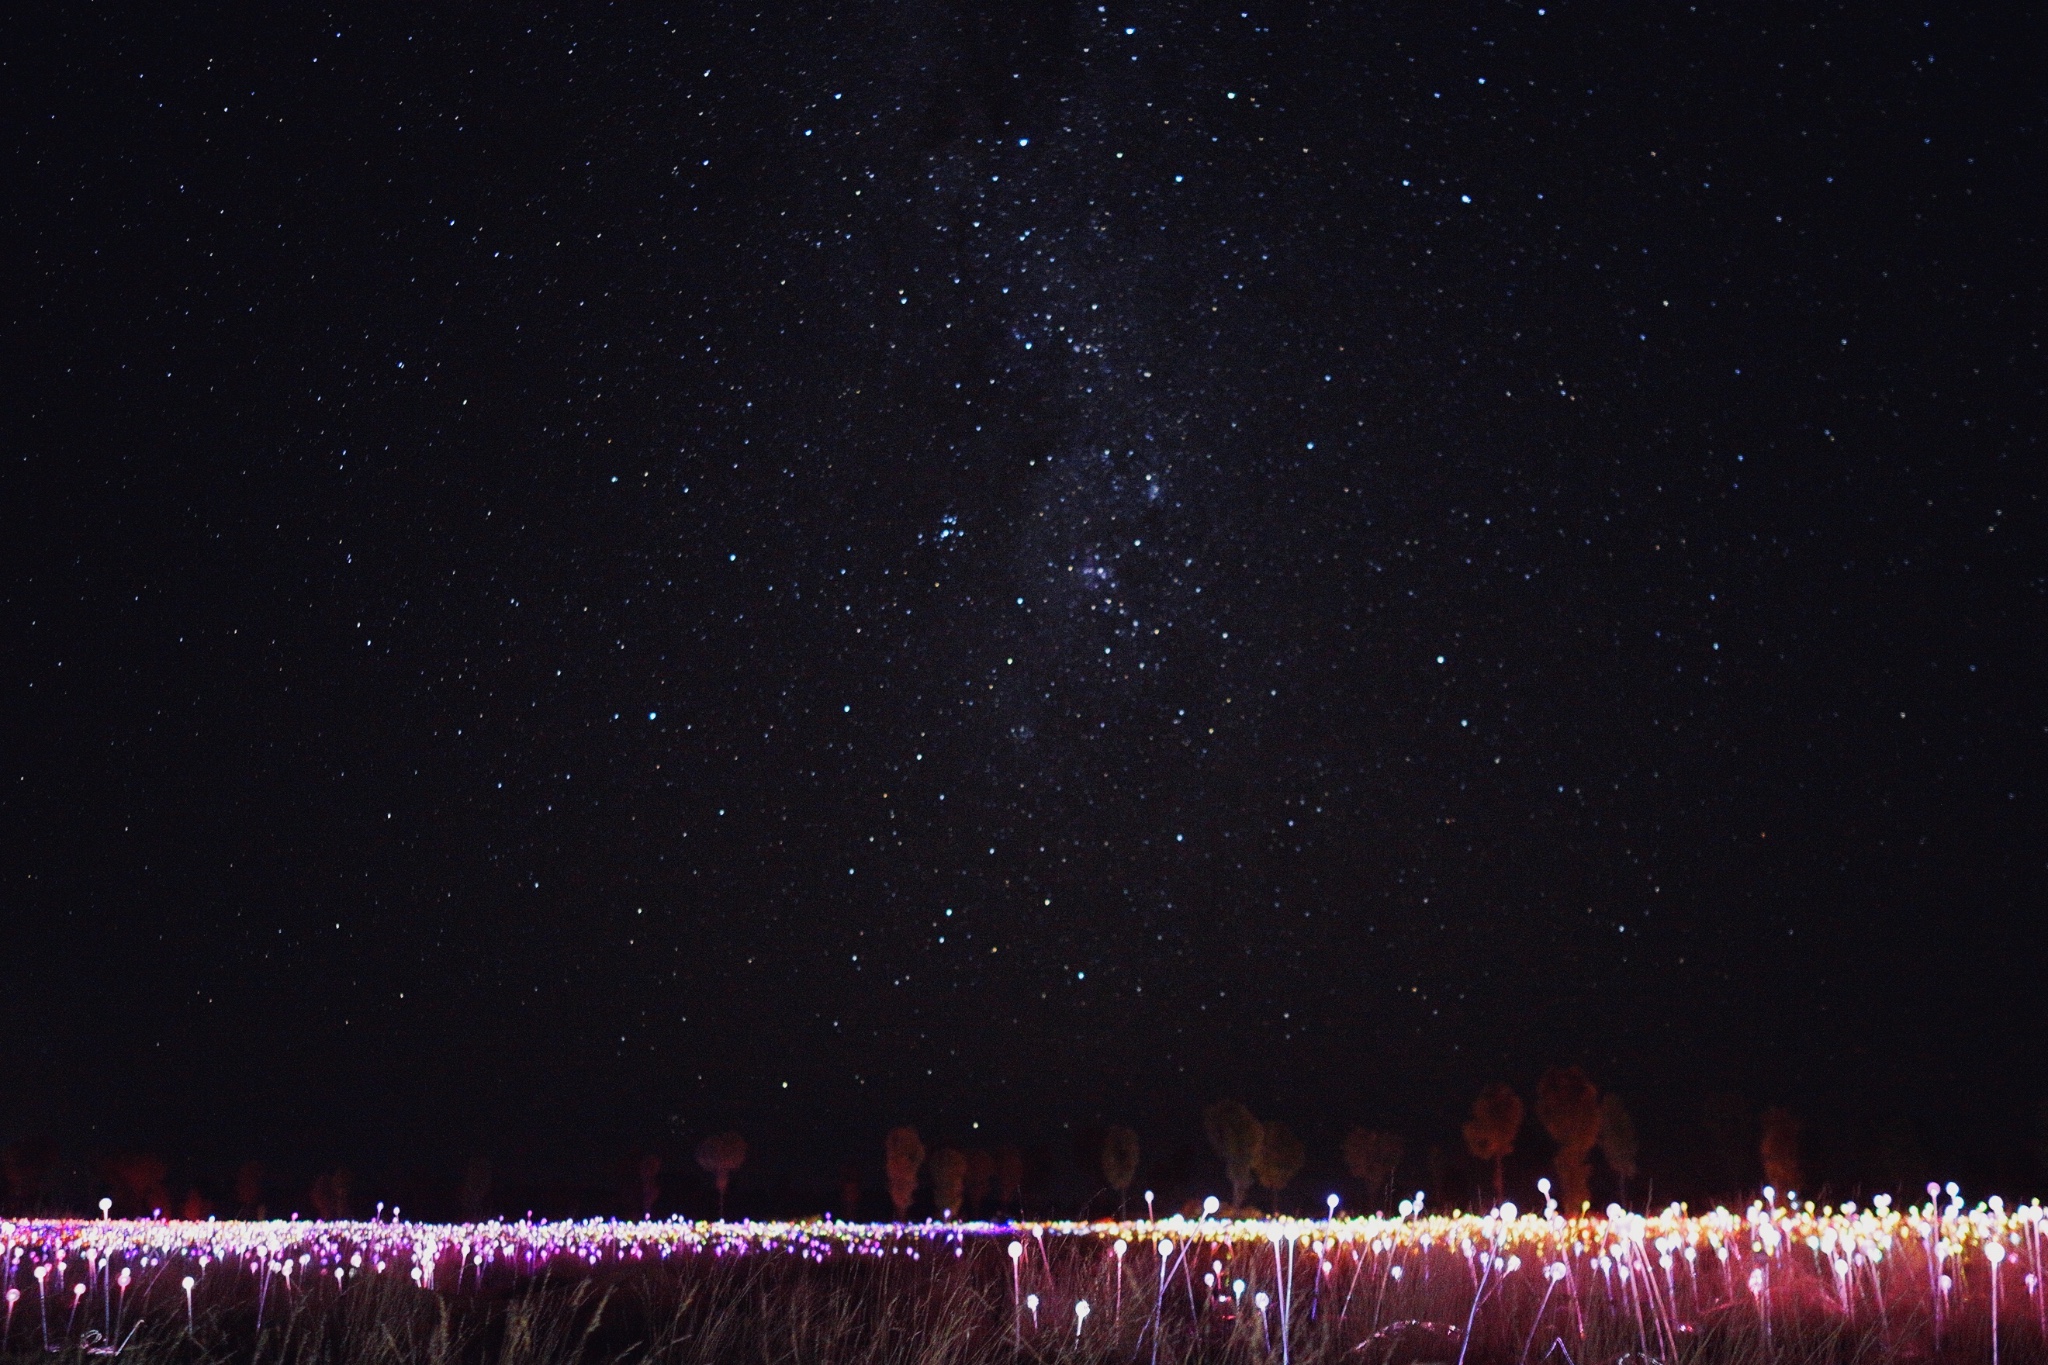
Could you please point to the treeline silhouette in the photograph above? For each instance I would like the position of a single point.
(1581, 1150)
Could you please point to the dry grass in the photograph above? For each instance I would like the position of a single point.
(948, 1297)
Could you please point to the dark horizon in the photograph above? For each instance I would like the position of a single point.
(580, 581)
(1061, 1177)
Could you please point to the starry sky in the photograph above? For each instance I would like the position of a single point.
(585, 575)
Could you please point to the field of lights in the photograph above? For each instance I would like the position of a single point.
(1936, 1281)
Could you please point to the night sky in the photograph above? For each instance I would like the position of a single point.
(580, 577)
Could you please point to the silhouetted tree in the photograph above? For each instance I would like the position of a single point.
(1010, 1177)
(476, 1189)
(1235, 1134)
(903, 1154)
(949, 1180)
(1618, 1141)
(649, 1171)
(249, 1190)
(1372, 1158)
(1278, 1160)
(135, 1180)
(1731, 1128)
(721, 1155)
(1490, 1132)
(1901, 1161)
(329, 1194)
(1439, 1167)
(981, 1174)
(28, 1166)
(849, 1191)
(1119, 1161)
(1568, 1106)
(1779, 1148)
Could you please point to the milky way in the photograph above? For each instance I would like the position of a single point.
(1018, 571)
